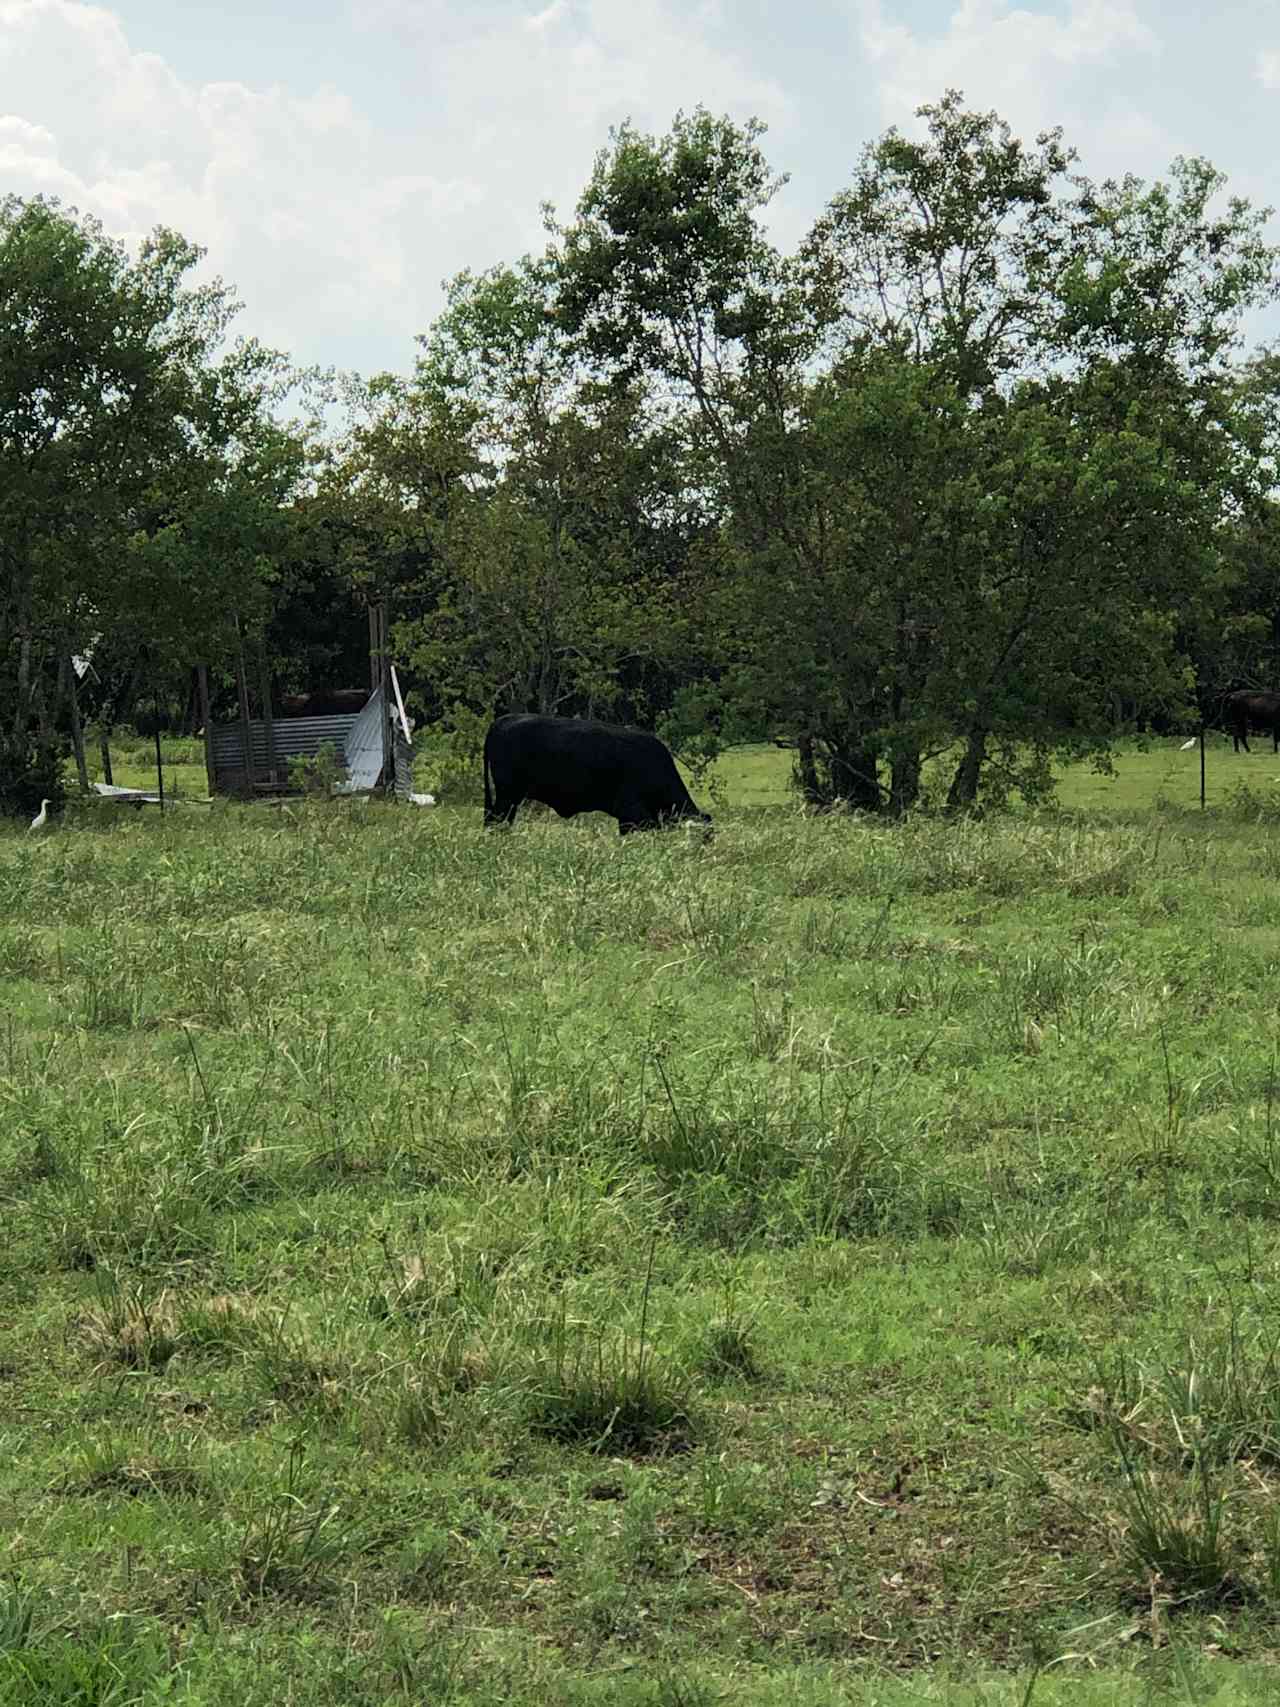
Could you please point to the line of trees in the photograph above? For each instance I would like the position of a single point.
(982, 473)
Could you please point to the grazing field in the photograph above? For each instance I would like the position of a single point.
(1157, 777)
(838, 1262)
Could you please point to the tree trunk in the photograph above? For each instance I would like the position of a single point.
(77, 730)
(40, 705)
(268, 723)
(384, 682)
(854, 778)
(806, 772)
(22, 701)
(112, 705)
(202, 692)
(246, 722)
(827, 771)
(964, 784)
(904, 786)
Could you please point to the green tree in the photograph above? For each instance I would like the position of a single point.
(665, 271)
(137, 467)
(1107, 317)
(946, 248)
(527, 519)
(971, 455)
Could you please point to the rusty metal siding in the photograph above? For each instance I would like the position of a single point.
(295, 737)
(357, 738)
(403, 765)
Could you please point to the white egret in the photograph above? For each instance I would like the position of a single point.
(41, 818)
(1187, 745)
(423, 799)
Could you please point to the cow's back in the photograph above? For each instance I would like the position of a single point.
(1257, 704)
(577, 765)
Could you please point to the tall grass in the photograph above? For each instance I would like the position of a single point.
(478, 1264)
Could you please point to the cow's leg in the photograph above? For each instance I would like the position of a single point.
(504, 809)
(633, 814)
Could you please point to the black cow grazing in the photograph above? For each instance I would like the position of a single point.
(575, 766)
(1261, 709)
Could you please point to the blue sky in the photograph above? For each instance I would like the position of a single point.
(339, 161)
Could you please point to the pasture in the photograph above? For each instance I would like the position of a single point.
(838, 1263)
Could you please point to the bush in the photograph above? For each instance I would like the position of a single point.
(319, 773)
(30, 774)
(453, 751)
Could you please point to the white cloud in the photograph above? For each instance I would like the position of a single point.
(293, 195)
(537, 94)
(553, 13)
(1078, 68)
(428, 133)
(335, 227)
(18, 134)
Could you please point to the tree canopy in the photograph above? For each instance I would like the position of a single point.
(982, 473)
(142, 471)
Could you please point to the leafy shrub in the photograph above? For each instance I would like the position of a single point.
(28, 777)
(318, 773)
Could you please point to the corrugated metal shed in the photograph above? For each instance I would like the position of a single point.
(293, 737)
(357, 738)
(364, 748)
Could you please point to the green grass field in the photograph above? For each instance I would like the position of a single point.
(1160, 776)
(835, 1263)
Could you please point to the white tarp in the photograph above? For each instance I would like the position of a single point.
(362, 753)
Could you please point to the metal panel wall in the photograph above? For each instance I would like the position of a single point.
(357, 738)
(294, 737)
(364, 746)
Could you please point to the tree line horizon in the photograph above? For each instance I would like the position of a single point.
(982, 473)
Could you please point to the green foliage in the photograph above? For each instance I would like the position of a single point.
(694, 728)
(29, 773)
(525, 519)
(449, 755)
(689, 203)
(946, 247)
(144, 478)
(972, 454)
(319, 772)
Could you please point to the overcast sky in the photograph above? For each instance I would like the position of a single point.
(339, 159)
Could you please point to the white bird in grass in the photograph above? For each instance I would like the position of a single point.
(41, 818)
(1187, 745)
(423, 799)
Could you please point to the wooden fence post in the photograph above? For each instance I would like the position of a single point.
(268, 725)
(77, 730)
(202, 690)
(246, 731)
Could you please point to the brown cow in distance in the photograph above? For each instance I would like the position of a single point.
(332, 702)
(1244, 707)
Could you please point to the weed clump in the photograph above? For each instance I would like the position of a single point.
(607, 1391)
